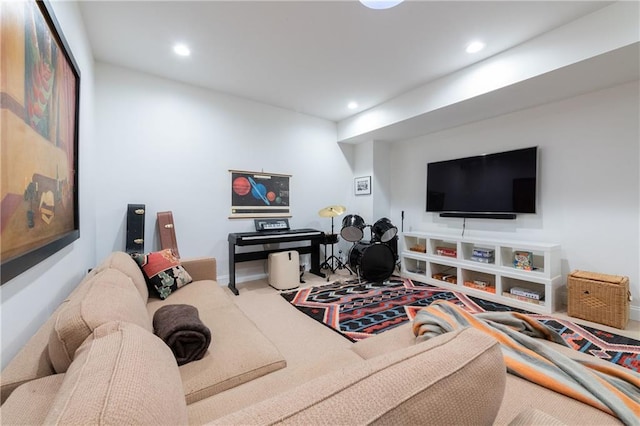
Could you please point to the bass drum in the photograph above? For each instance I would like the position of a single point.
(373, 261)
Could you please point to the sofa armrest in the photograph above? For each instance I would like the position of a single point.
(32, 362)
(462, 373)
(532, 416)
(121, 374)
(201, 268)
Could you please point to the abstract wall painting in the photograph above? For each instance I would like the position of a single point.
(39, 99)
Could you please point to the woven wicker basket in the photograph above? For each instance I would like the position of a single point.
(599, 298)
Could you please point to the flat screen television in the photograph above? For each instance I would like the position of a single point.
(494, 186)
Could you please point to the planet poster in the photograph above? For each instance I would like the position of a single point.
(259, 194)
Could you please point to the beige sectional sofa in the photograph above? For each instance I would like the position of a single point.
(97, 361)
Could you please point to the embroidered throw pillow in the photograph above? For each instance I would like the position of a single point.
(163, 272)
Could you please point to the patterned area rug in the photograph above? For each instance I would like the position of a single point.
(361, 310)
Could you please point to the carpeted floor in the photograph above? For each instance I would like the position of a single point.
(360, 310)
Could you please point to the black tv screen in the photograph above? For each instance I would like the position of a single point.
(498, 183)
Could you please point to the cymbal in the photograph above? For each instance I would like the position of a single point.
(332, 211)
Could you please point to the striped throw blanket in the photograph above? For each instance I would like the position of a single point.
(611, 389)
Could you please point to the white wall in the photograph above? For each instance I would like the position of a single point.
(30, 298)
(364, 155)
(170, 146)
(588, 179)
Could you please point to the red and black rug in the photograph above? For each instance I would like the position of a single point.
(360, 310)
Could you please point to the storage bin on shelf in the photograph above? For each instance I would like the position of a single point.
(599, 298)
(481, 285)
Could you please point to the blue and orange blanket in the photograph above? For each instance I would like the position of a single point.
(611, 389)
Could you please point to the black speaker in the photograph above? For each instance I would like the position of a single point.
(135, 228)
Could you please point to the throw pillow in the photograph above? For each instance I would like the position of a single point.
(163, 272)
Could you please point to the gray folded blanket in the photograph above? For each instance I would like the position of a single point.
(180, 327)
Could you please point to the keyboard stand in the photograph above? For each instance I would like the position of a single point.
(312, 236)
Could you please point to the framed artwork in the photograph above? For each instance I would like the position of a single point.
(362, 185)
(259, 194)
(39, 94)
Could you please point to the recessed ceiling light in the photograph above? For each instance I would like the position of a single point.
(352, 105)
(475, 46)
(380, 4)
(181, 49)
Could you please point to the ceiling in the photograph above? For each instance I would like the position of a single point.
(314, 56)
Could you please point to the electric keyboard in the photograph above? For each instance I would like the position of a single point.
(313, 236)
(280, 236)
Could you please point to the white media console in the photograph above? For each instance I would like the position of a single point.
(492, 280)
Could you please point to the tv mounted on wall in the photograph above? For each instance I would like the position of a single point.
(495, 186)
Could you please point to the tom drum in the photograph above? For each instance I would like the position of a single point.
(352, 228)
(383, 230)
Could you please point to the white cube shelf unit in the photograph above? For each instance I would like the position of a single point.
(449, 256)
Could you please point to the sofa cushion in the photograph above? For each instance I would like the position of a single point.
(238, 352)
(111, 296)
(122, 374)
(521, 394)
(124, 263)
(462, 374)
(163, 272)
(30, 403)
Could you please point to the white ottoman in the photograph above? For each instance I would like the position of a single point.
(284, 270)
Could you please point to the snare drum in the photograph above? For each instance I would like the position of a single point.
(329, 239)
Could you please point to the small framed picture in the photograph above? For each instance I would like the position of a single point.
(362, 185)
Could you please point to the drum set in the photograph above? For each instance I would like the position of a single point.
(375, 259)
